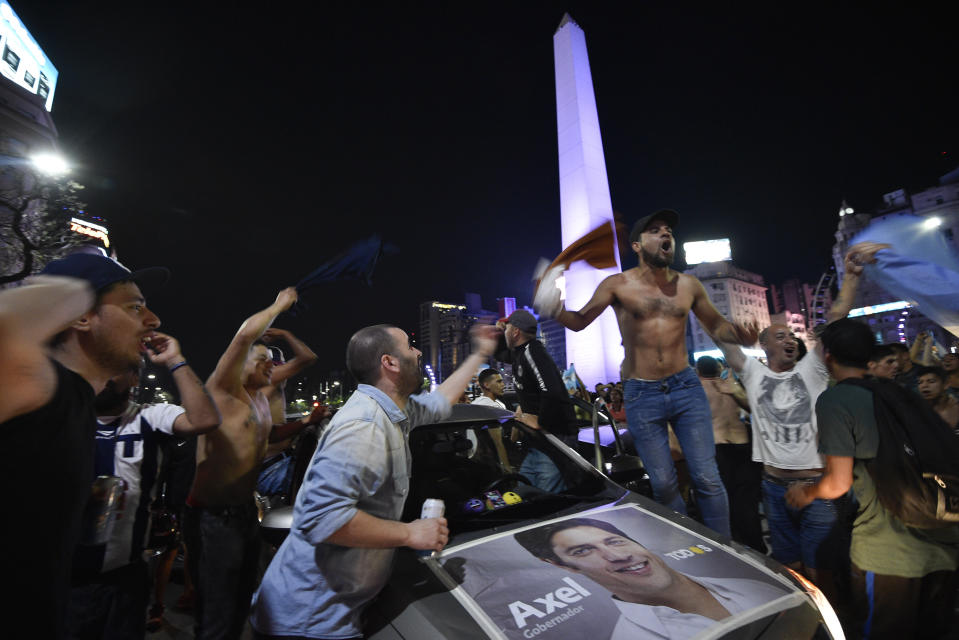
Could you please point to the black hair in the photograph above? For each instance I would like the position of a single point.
(850, 343)
(486, 374)
(539, 541)
(898, 347)
(59, 338)
(708, 367)
(939, 372)
(881, 351)
(365, 350)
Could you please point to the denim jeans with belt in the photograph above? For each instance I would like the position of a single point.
(679, 401)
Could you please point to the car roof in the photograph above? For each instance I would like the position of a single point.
(466, 413)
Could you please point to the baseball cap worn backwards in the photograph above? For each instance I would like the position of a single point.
(668, 216)
(523, 320)
(101, 272)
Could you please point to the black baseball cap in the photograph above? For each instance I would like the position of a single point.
(101, 272)
(668, 216)
(523, 320)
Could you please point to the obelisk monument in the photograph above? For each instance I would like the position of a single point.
(596, 351)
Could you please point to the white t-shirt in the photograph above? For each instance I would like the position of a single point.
(784, 411)
(126, 435)
(737, 595)
(489, 402)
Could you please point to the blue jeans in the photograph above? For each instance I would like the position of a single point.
(542, 472)
(276, 479)
(679, 401)
(816, 535)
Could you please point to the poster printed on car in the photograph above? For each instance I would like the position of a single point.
(614, 572)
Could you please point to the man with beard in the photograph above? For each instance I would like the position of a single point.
(61, 338)
(782, 398)
(109, 594)
(221, 518)
(345, 523)
(652, 302)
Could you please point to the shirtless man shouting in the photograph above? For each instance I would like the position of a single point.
(221, 523)
(652, 302)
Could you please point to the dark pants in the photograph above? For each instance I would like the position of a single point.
(110, 606)
(223, 549)
(895, 607)
(743, 479)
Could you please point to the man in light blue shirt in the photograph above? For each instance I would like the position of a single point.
(345, 521)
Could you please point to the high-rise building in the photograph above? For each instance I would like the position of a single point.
(444, 337)
(585, 203)
(739, 295)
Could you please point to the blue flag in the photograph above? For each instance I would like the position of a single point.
(921, 267)
(357, 262)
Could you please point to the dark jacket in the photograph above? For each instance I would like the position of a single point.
(540, 388)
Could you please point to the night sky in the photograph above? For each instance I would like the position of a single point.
(242, 148)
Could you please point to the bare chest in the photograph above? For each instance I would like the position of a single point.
(644, 302)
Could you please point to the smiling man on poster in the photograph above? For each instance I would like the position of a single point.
(655, 600)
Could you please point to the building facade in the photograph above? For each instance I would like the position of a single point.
(739, 295)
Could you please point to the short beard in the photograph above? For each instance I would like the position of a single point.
(653, 260)
(110, 399)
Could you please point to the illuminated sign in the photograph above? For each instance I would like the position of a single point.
(441, 305)
(707, 251)
(90, 229)
(879, 308)
(21, 58)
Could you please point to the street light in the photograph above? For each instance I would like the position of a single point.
(51, 164)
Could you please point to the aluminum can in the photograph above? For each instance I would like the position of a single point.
(433, 508)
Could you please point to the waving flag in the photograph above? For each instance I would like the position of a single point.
(357, 262)
(921, 267)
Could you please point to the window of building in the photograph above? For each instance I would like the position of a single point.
(11, 57)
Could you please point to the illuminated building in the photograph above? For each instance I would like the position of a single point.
(892, 319)
(585, 203)
(27, 83)
(739, 295)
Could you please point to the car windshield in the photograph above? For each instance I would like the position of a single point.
(476, 468)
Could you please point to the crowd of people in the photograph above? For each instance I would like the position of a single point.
(771, 438)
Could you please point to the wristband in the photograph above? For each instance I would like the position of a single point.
(182, 363)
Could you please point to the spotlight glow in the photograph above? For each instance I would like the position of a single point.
(931, 223)
(51, 164)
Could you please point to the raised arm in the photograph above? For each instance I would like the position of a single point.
(484, 344)
(29, 317)
(548, 302)
(729, 337)
(857, 256)
(303, 356)
(228, 373)
(201, 414)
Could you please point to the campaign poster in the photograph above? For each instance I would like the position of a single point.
(611, 573)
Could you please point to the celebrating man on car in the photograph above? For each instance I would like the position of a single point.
(338, 554)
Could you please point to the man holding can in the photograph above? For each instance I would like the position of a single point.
(345, 527)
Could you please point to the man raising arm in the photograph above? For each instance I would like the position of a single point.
(221, 518)
(782, 398)
(345, 523)
(652, 302)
